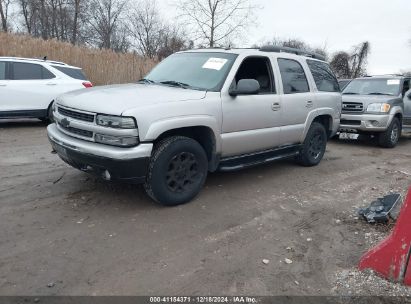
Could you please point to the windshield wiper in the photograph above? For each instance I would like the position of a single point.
(379, 93)
(176, 84)
(350, 93)
(146, 80)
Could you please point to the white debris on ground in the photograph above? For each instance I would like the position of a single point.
(353, 282)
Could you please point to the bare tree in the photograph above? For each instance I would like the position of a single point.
(146, 28)
(296, 44)
(173, 40)
(76, 5)
(4, 13)
(215, 22)
(107, 24)
(353, 64)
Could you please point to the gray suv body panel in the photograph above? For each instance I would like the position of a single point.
(240, 125)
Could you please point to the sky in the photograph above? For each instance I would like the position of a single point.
(337, 25)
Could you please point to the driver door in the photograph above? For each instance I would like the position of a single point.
(251, 123)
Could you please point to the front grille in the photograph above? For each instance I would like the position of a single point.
(351, 122)
(76, 131)
(353, 107)
(76, 115)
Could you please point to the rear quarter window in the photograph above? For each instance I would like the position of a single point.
(323, 76)
(73, 73)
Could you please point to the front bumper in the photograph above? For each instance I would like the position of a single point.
(365, 122)
(110, 163)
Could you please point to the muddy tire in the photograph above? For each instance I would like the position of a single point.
(390, 138)
(314, 146)
(177, 171)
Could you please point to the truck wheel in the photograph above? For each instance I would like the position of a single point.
(314, 146)
(391, 136)
(177, 171)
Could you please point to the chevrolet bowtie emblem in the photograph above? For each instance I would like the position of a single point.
(65, 122)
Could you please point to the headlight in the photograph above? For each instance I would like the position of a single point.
(117, 122)
(379, 107)
(120, 141)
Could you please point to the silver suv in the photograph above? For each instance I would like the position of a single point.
(379, 105)
(198, 112)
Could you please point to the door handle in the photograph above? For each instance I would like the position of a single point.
(3, 85)
(51, 83)
(276, 106)
(310, 104)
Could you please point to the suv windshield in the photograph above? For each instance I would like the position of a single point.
(200, 71)
(374, 86)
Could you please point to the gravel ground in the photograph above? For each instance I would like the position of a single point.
(278, 229)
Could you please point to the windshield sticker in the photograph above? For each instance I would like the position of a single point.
(215, 64)
(393, 82)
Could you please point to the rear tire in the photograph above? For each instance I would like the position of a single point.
(314, 146)
(50, 117)
(177, 171)
(390, 138)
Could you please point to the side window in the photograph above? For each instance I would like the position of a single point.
(2, 70)
(294, 79)
(30, 71)
(258, 68)
(323, 76)
(46, 74)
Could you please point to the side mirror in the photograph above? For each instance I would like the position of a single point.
(246, 87)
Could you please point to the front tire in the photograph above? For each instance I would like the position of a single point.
(314, 146)
(390, 138)
(177, 171)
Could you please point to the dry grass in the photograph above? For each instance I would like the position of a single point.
(101, 66)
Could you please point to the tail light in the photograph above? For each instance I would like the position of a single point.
(87, 84)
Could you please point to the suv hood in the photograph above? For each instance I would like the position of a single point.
(116, 99)
(368, 99)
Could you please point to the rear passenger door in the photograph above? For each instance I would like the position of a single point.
(297, 100)
(5, 98)
(30, 87)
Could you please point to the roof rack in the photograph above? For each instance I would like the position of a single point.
(34, 59)
(280, 49)
(385, 75)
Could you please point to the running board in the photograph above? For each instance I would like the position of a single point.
(250, 160)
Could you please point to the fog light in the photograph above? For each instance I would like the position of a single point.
(128, 141)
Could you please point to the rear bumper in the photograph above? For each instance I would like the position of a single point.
(365, 122)
(110, 163)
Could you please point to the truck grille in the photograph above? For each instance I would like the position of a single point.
(76, 131)
(76, 115)
(352, 107)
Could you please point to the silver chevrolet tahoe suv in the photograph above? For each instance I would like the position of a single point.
(379, 105)
(197, 112)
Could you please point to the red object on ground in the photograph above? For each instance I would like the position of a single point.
(391, 258)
